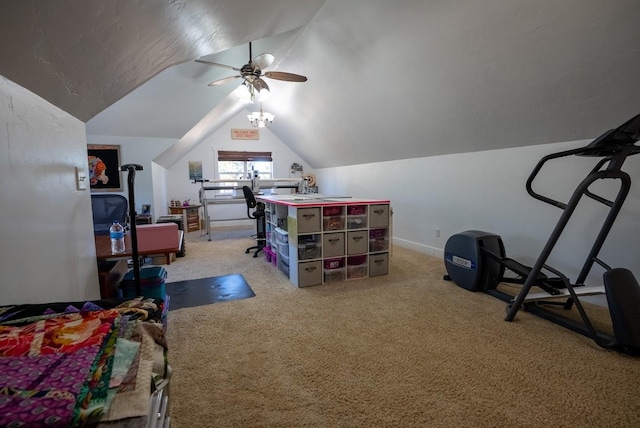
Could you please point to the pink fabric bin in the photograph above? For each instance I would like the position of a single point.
(159, 236)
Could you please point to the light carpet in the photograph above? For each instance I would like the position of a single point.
(403, 350)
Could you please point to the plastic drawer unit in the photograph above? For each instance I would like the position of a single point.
(357, 266)
(334, 269)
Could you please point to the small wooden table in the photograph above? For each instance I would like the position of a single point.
(103, 249)
(113, 267)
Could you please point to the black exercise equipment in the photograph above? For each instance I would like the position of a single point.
(476, 260)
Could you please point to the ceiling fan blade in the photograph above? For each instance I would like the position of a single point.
(217, 65)
(223, 81)
(260, 84)
(281, 75)
(263, 61)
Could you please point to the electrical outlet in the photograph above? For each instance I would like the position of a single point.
(437, 233)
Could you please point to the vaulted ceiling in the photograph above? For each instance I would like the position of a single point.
(387, 80)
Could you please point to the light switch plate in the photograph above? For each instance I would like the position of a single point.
(81, 178)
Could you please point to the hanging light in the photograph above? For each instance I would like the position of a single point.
(260, 119)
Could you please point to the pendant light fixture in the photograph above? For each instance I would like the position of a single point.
(260, 119)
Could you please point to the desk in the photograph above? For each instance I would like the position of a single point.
(113, 267)
(103, 249)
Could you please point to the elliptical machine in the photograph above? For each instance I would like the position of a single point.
(477, 261)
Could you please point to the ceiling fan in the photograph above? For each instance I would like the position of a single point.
(252, 73)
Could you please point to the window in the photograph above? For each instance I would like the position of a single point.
(239, 165)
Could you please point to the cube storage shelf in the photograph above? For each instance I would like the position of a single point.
(190, 215)
(320, 239)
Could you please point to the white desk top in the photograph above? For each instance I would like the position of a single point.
(317, 199)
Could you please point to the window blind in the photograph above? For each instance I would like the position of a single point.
(226, 155)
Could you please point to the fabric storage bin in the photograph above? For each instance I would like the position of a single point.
(357, 242)
(309, 273)
(152, 283)
(379, 216)
(308, 220)
(379, 264)
(333, 244)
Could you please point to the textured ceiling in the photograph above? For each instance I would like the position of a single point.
(387, 80)
(83, 56)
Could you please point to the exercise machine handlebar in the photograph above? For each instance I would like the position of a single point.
(613, 145)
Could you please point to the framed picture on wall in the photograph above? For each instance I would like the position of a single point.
(104, 168)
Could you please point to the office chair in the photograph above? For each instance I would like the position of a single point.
(108, 208)
(259, 216)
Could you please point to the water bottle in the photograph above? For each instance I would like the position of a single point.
(116, 233)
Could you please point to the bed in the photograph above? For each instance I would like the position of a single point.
(99, 363)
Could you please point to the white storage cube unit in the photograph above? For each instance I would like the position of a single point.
(320, 239)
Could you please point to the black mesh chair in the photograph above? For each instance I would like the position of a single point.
(259, 216)
(107, 209)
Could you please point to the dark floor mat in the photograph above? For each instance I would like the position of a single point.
(205, 291)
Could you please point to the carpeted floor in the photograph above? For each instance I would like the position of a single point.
(403, 350)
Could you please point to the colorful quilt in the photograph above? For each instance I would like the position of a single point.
(56, 369)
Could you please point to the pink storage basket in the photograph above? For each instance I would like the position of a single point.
(355, 209)
(356, 260)
(334, 263)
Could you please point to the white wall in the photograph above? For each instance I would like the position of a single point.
(47, 250)
(486, 191)
(177, 177)
(139, 151)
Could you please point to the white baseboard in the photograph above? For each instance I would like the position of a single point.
(421, 248)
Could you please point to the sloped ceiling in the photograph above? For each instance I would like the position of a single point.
(83, 56)
(387, 80)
